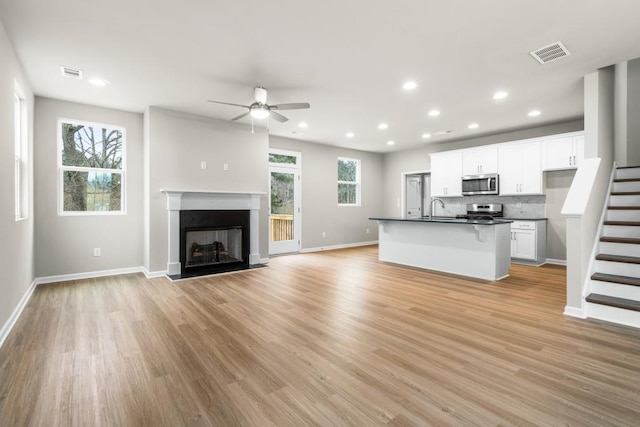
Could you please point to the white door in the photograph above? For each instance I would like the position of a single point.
(414, 196)
(284, 206)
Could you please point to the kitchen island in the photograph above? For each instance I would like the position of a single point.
(472, 248)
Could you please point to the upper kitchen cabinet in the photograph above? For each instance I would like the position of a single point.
(481, 160)
(519, 168)
(563, 152)
(446, 174)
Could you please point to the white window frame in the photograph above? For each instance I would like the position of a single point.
(62, 169)
(21, 166)
(357, 183)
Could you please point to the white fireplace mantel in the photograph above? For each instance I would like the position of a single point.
(182, 200)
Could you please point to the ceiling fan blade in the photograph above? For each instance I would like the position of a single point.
(240, 116)
(279, 117)
(291, 106)
(228, 103)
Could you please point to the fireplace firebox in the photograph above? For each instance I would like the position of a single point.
(213, 241)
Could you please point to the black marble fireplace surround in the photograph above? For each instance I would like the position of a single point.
(213, 241)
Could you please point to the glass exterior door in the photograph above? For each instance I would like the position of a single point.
(284, 210)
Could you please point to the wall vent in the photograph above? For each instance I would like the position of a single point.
(550, 53)
(72, 73)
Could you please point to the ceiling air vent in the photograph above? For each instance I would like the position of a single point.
(550, 53)
(72, 73)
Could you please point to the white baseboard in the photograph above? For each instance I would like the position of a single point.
(6, 328)
(575, 312)
(346, 245)
(88, 275)
(264, 260)
(556, 261)
(154, 274)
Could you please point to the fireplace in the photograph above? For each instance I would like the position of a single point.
(213, 241)
(225, 219)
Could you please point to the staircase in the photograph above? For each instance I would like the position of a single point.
(614, 289)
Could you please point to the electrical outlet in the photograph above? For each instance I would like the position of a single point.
(367, 231)
(324, 234)
(203, 165)
(225, 166)
(97, 252)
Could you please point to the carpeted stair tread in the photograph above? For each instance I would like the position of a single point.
(627, 304)
(618, 258)
(614, 278)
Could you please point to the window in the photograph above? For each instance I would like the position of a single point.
(276, 156)
(91, 160)
(20, 165)
(348, 182)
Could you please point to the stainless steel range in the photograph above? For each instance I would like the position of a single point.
(483, 211)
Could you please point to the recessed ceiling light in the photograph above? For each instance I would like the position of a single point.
(349, 134)
(473, 126)
(434, 113)
(500, 95)
(383, 126)
(426, 135)
(410, 85)
(390, 142)
(302, 124)
(96, 81)
(534, 113)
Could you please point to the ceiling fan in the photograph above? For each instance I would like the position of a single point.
(260, 109)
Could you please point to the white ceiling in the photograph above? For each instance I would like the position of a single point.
(348, 58)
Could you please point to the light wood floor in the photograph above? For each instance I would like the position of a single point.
(330, 338)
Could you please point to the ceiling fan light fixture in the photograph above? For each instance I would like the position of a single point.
(259, 112)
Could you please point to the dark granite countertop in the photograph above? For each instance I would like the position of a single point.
(445, 220)
(524, 219)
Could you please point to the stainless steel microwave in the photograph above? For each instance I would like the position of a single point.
(480, 184)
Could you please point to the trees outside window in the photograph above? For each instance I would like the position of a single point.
(348, 182)
(91, 164)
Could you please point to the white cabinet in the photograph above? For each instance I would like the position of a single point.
(519, 168)
(446, 174)
(529, 241)
(565, 152)
(480, 160)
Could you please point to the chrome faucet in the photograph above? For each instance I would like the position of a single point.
(433, 208)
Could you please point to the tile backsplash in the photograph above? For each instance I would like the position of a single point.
(513, 206)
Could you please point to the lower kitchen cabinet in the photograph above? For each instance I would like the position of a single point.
(529, 242)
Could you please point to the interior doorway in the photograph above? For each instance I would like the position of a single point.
(417, 195)
(284, 201)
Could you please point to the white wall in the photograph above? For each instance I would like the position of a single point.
(16, 247)
(175, 145)
(556, 190)
(633, 113)
(320, 210)
(64, 244)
